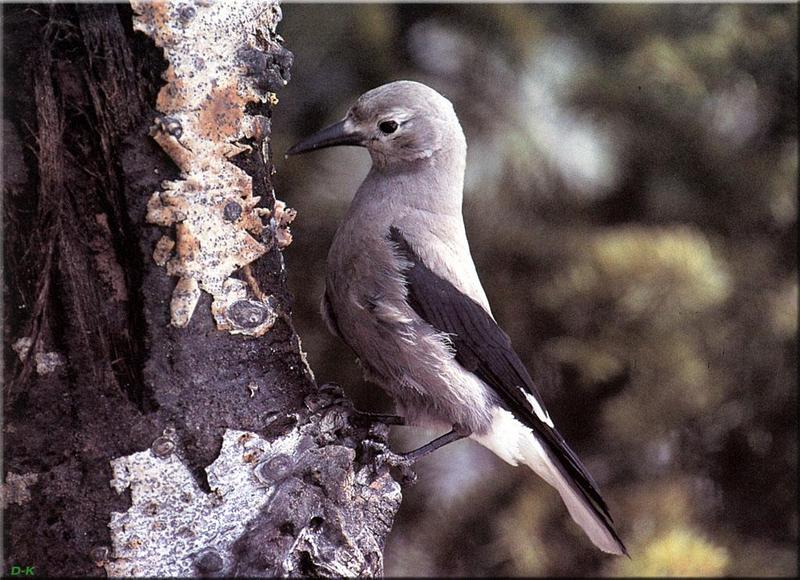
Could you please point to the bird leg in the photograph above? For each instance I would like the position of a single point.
(405, 461)
(457, 433)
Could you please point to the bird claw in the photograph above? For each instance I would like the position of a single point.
(385, 457)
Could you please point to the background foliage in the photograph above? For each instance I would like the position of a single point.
(631, 203)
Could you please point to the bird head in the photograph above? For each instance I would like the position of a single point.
(399, 123)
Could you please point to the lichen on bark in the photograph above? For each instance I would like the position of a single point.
(135, 400)
(210, 80)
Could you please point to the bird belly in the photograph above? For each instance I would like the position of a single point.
(398, 350)
(413, 363)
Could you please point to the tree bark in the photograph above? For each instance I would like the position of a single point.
(144, 435)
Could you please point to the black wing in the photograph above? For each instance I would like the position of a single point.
(483, 348)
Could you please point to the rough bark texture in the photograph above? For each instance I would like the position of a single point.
(95, 373)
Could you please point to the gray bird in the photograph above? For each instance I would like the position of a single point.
(402, 291)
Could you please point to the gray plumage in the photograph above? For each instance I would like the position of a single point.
(402, 291)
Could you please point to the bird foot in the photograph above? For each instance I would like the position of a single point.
(384, 457)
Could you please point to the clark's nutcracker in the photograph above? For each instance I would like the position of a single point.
(403, 293)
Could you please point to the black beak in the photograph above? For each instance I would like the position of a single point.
(330, 136)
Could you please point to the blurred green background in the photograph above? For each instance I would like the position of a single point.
(631, 202)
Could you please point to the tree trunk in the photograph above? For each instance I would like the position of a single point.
(160, 417)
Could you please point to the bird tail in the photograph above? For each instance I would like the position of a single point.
(576, 492)
(515, 443)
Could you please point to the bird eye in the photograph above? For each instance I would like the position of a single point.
(388, 127)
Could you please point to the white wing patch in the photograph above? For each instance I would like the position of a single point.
(543, 415)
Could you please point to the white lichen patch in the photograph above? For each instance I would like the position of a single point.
(46, 362)
(212, 49)
(22, 346)
(16, 489)
(283, 216)
(163, 250)
(172, 524)
(235, 312)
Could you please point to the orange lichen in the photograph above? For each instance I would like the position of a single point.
(222, 118)
(211, 49)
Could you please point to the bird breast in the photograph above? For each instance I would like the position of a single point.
(415, 363)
